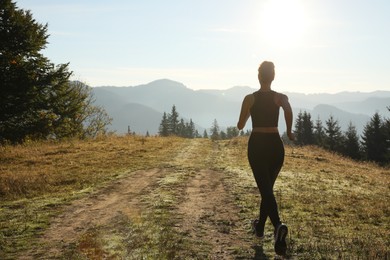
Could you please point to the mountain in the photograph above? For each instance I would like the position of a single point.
(369, 106)
(161, 95)
(141, 107)
(323, 112)
(139, 118)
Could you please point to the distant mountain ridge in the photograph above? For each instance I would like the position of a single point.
(141, 107)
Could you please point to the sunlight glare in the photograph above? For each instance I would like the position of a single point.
(283, 22)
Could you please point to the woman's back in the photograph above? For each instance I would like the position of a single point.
(264, 111)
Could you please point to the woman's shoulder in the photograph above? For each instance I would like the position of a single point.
(279, 95)
(280, 98)
(250, 98)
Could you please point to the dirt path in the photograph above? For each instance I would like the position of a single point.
(209, 214)
(205, 214)
(121, 197)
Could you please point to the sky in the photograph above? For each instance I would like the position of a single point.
(317, 46)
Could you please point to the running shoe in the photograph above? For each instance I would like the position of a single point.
(254, 230)
(280, 239)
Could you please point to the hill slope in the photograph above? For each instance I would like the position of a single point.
(133, 197)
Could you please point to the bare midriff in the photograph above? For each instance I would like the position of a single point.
(268, 129)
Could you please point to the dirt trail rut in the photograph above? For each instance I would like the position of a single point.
(120, 197)
(206, 211)
(209, 214)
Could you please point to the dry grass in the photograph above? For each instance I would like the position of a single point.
(37, 179)
(336, 208)
(36, 169)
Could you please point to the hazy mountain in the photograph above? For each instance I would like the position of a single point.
(138, 117)
(343, 100)
(235, 94)
(323, 112)
(141, 107)
(368, 106)
(161, 95)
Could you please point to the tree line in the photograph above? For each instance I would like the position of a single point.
(172, 125)
(38, 101)
(372, 145)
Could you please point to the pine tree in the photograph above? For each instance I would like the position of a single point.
(386, 126)
(298, 131)
(319, 133)
(191, 131)
(173, 121)
(304, 129)
(231, 132)
(181, 128)
(172, 125)
(308, 128)
(197, 135)
(205, 135)
(164, 126)
(27, 78)
(222, 135)
(374, 140)
(214, 135)
(333, 138)
(351, 143)
(37, 99)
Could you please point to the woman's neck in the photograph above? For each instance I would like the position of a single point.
(265, 87)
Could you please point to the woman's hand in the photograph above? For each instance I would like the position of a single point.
(291, 136)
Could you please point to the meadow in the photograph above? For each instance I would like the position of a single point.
(132, 197)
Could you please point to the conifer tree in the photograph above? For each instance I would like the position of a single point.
(164, 126)
(222, 135)
(197, 135)
(386, 126)
(181, 128)
(191, 131)
(298, 131)
(37, 99)
(334, 137)
(205, 135)
(231, 132)
(173, 121)
(304, 129)
(214, 135)
(319, 133)
(172, 125)
(351, 143)
(374, 140)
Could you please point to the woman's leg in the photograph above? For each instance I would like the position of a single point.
(266, 155)
(268, 205)
(263, 211)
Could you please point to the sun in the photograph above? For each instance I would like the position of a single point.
(283, 22)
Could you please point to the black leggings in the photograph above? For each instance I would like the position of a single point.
(266, 156)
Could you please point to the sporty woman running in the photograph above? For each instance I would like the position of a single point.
(265, 148)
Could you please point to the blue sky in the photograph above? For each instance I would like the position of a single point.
(318, 46)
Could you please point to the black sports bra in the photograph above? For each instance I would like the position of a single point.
(264, 111)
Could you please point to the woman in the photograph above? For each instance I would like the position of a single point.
(265, 148)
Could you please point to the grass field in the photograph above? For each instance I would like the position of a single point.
(196, 202)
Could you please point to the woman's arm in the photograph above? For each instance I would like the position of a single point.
(288, 115)
(245, 111)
